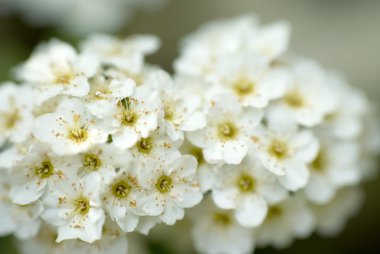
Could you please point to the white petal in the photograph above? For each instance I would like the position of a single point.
(172, 213)
(28, 192)
(226, 198)
(319, 189)
(234, 152)
(251, 211)
(128, 223)
(125, 140)
(296, 176)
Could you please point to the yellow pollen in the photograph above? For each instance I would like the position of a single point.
(64, 78)
(246, 183)
(78, 135)
(10, 119)
(91, 161)
(164, 184)
(243, 87)
(121, 189)
(278, 149)
(169, 112)
(145, 145)
(294, 99)
(82, 205)
(227, 131)
(45, 170)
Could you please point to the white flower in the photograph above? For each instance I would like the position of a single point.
(286, 151)
(157, 146)
(285, 221)
(8, 226)
(227, 135)
(9, 157)
(102, 159)
(332, 217)
(70, 129)
(105, 90)
(49, 105)
(127, 54)
(205, 171)
(216, 231)
(120, 197)
(55, 68)
(271, 40)
(16, 119)
(250, 79)
(202, 50)
(98, 145)
(182, 111)
(309, 98)
(44, 243)
(39, 170)
(74, 207)
(23, 221)
(346, 121)
(168, 188)
(245, 188)
(134, 117)
(335, 166)
(197, 86)
(113, 241)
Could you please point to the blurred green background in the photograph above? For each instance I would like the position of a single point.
(342, 34)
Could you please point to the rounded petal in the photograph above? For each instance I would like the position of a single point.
(251, 211)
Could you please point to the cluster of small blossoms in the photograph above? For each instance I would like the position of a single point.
(98, 145)
(81, 17)
(91, 146)
(286, 143)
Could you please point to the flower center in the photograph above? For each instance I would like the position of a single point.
(121, 189)
(145, 145)
(91, 161)
(82, 205)
(64, 78)
(227, 131)
(45, 170)
(128, 116)
(246, 183)
(319, 163)
(274, 211)
(78, 135)
(11, 119)
(294, 99)
(223, 219)
(243, 87)
(278, 149)
(169, 112)
(99, 88)
(164, 184)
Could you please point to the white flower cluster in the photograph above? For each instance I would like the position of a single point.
(98, 144)
(83, 16)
